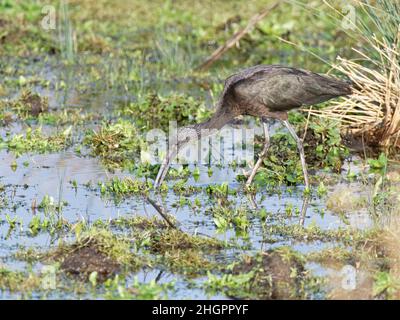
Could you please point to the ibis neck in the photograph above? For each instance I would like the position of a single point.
(216, 122)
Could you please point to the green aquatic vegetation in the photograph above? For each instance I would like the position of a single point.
(378, 165)
(386, 285)
(291, 210)
(221, 194)
(35, 141)
(119, 60)
(12, 222)
(49, 206)
(189, 262)
(312, 232)
(183, 189)
(237, 218)
(221, 191)
(28, 254)
(117, 288)
(275, 274)
(51, 224)
(323, 148)
(230, 284)
(282, 165)
(321, 190)
(51, 219)
(5, 117)
(173, 249)
(120, 188)
(117, 144)
(156, 111)
(323, 144)
(382, 194)
(182, 172)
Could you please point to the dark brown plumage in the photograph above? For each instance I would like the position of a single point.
(265, 91)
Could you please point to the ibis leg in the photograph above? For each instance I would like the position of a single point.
(164, 168)
(262, 154)
(301, 151)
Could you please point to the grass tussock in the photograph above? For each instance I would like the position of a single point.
(373, 110)
(96, 251)
(115, 143)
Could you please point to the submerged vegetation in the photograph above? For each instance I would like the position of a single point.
(79, 217)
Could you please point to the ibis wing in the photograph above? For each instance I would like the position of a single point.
(281, 88)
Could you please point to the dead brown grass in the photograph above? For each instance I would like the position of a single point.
(373, 110)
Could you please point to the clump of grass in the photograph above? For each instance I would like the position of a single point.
(29, 104)
(115, 143)
(117, 248)
(188, 262)
(96, 250)
(35, 141)
(182, 188)
(275, 274)
(5, 117)
(156, 111)
(28, 254)
(313, 232)
(173, 249)
(139, 222)
(178, 240)
(373, 110)
(184, 253)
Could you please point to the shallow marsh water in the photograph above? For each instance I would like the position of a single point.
(51, 175)
(159, 59)
(38, 175)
